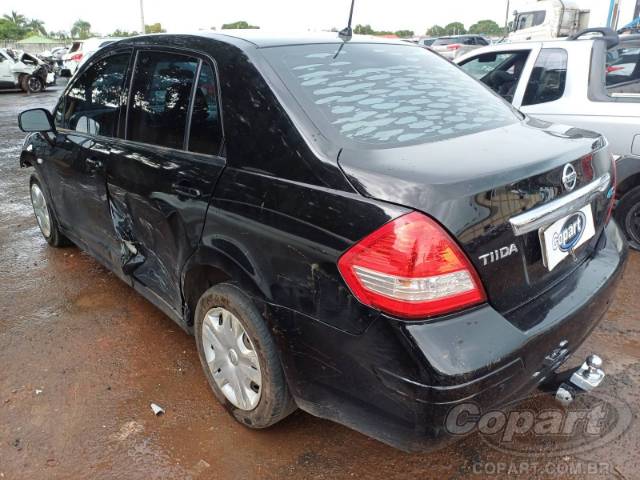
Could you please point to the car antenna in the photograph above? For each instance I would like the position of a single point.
(347, 33)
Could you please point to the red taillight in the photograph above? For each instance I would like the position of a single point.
(613, 68)
(76, 57)
(587, 167)
(411, 268)
(453, 46)
(611, 194)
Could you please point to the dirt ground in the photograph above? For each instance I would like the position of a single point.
(82, 356)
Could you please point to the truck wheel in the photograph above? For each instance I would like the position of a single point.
(32, 84)
(240, 359)
(627, 214)
(44, 215)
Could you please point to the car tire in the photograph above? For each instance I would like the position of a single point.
(273, 402)
(45, 217)
(32, 84)
(627, 214)
(21, 83)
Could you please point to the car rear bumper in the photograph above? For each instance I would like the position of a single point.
(397, 381)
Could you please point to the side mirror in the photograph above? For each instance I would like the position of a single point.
(36, 120)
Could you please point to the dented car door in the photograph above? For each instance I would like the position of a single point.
(75, 165)
(163, 170)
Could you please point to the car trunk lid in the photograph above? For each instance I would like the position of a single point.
(478, 186)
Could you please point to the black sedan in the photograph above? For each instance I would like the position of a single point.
(349, 226)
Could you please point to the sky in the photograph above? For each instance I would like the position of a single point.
(273, 15)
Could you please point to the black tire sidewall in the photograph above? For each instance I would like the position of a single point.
(40, 84)
(622, 211)
(55, 238)
(275, 401)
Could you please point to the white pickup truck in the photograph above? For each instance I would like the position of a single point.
(591, 83)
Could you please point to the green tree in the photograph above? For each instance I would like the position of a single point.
(123, 33)
(486, 27)
(10, 31)
(154, 28)
(36, 26)
(404, 33)
(15, 18)
(455, 28)
(60, 35)
(241, 24)
(81, 29)
(364, 30)
(436, 31)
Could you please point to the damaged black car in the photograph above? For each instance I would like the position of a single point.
(353, 227)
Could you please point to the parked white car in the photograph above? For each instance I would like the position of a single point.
(457, 45)
(24, 71)
(591, 83)
(80, 51)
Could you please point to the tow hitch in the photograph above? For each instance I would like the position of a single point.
(584, 379)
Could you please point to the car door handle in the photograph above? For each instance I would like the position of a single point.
(186, 191)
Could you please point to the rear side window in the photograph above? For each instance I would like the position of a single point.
(623, 70)
(160, 97)
(205, 135)
(382, 94)
(548, 78)
(92, 103)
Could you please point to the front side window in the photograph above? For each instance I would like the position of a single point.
(160, 96)
(381, 94)
(623, 70)
(548, 78)
(93, 101)
(205, 135)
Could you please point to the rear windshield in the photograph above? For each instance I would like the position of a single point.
(388, 95)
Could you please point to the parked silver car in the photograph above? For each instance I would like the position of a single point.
(457, 45)
(591, 83)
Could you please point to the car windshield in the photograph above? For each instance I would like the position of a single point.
(386, 95)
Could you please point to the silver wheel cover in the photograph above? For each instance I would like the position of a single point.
(231, 358)
(40, 209)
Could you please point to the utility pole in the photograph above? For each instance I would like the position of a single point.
(506, 17)
(142, 31)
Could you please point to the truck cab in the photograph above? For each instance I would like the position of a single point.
(547, 19)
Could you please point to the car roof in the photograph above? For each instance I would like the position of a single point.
(262, 39)
(461, 35)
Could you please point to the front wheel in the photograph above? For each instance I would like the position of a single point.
(240, 358)
(44, 216)
(32, 84)
(627, 214)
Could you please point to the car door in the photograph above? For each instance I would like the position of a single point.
(75, 167)
(163, 170)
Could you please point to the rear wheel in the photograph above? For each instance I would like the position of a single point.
(240, 359)
(627, 214)
(44, 215)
